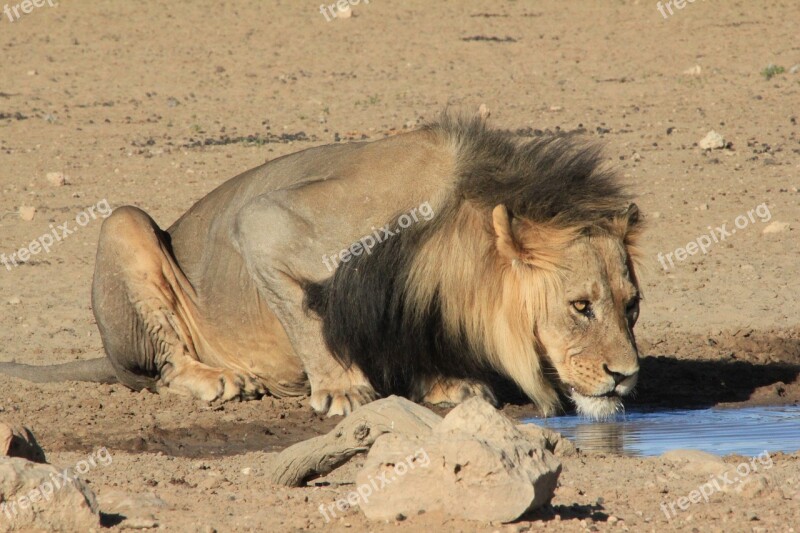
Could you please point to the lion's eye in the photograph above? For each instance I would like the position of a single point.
(583, 306)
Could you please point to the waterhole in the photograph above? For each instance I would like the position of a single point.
(747, 431)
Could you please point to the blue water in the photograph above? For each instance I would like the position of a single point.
(747, 431)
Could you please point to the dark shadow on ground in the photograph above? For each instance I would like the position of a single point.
(669, 383)
(594, 512)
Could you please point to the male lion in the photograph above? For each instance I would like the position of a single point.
(523, 270)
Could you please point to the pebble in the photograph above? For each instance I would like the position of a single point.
(56, 179)
(27, 212)
(210, 483)
(693, 71)
(14, 300)
(776, 227)
(711, 141)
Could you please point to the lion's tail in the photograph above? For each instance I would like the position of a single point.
(95, 370)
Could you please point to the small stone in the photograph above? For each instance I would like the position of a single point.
(795, 69)
(556, 108)
(711, 141)
(753, 486)
(18, 441)
(210, 483)
(776, 227)
(693, 71)
(345, 13)
(636, 156)
(32, 73)
(698, 462)
(703, 207)
(27, 212)
(14, 300)
(246, 470)
(484, 112)
(56, 179)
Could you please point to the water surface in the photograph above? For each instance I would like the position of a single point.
(747, 431)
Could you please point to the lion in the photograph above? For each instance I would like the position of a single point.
(419, 265)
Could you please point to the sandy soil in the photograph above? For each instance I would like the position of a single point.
(156, 103)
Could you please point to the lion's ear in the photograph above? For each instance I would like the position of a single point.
(628, 226)
(537, 245)
(506, 244)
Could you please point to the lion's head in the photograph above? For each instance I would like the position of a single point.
(525, 271)
(577, 287)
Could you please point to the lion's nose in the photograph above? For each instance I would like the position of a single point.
(618, 377)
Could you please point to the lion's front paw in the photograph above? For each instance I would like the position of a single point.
(451, 391)
(342, 402)
(234, 385)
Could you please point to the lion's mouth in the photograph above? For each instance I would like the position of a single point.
(610, 394)
(598, 407)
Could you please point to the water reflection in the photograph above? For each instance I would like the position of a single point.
(600, 436)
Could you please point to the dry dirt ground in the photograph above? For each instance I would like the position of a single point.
(155, 103)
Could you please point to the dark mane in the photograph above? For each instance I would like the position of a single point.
(367, 317)
(557, 179)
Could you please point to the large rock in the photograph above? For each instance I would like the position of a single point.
(37, 497)
(355, 434)
(476, 464)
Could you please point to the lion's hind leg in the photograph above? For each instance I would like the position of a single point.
(451, 391)
(145, 311)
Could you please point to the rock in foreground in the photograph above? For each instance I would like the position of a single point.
(475, 464)
(37, 497)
